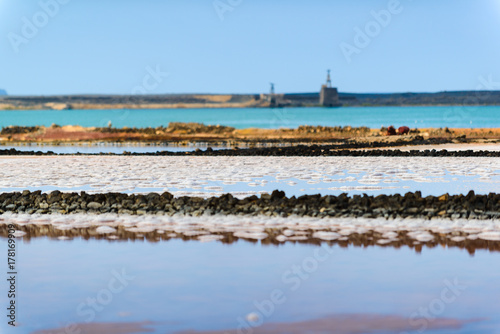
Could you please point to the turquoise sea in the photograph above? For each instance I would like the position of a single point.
(373, 117)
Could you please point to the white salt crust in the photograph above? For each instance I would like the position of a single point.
(245, 176)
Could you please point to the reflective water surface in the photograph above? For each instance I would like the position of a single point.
(145, 282)
(174, 286)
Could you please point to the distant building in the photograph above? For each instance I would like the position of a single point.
(329, 96)
(274, 100)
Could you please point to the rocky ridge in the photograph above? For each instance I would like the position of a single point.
(470, 206)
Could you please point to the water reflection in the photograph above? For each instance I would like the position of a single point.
(339, 324)
(190, 286)
(346, 238)
(100, 328)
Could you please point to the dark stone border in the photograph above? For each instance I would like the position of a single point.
(298, 151)
(334, 150)
(413, 205)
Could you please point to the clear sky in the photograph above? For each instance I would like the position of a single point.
(240, 46)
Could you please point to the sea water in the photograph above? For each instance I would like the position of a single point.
(373, 117)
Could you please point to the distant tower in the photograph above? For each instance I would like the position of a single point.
(272, 89)
(328, 80)
(272, 96)
(329, 96)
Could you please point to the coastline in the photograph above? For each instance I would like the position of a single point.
(10, 107)
(208, 101)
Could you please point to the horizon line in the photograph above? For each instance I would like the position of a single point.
(286, 93)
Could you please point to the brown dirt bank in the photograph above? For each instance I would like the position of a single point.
(176, 133)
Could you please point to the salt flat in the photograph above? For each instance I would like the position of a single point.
(244, 176)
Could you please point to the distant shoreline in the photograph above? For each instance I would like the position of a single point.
(209, 101)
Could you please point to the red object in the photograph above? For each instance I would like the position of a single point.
(403, 130)
(391, 131)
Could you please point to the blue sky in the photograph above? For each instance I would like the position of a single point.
(239, 46)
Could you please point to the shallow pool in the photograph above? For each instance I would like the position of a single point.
(174, 286)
